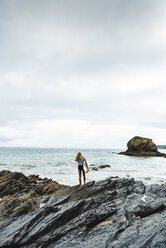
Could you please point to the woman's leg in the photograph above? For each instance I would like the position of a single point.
(84, 176)
(79, 175)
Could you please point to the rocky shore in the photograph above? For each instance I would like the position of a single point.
(116, 212)
(20, 194)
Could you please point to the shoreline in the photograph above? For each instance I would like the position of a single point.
(146, 180)
(60, 165)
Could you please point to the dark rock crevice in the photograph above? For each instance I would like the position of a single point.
(149, 211)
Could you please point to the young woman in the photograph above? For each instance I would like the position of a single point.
(81, 160)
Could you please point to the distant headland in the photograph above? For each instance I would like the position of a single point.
(161, 146)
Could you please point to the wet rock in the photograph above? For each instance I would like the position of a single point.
(97, 167)
(58, 200)
(20, 194)
(104, 166)
(112, 213)
(155, 189)
(147, 178)
(15, 183)
(139, 146)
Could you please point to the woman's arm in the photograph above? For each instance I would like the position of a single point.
(86, 164)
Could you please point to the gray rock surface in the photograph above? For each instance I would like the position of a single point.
(113, 213)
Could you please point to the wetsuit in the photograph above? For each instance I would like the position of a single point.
(81, 164)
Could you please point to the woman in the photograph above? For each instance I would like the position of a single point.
(81, 160)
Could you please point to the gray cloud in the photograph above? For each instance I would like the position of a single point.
(96, 62)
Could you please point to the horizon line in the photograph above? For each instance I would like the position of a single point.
(51, 147)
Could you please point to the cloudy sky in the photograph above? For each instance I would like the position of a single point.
(82, 73)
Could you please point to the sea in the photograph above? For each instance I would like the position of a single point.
(59, 164)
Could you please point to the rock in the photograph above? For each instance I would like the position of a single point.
(97, 167)
(13, 182)
(104, 166)
(20, 194)
(139, 143)
(147, 178)
(139, 146)
(112, 213)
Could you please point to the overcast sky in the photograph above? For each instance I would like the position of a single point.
(82, 73)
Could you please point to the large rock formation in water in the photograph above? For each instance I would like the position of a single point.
(139, 146)
(112, 213)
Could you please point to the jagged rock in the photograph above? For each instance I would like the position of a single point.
(20, 194)
(14, 183)
(139, 146)
(113, 213)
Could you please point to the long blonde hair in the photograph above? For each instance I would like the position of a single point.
(78, 157)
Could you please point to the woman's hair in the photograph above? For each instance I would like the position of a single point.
(78, 157)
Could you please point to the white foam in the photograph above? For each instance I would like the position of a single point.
(143, 198)
(42, 205)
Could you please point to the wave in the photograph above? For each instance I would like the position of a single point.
(28, 166)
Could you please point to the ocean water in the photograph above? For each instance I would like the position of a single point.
(60, 165)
